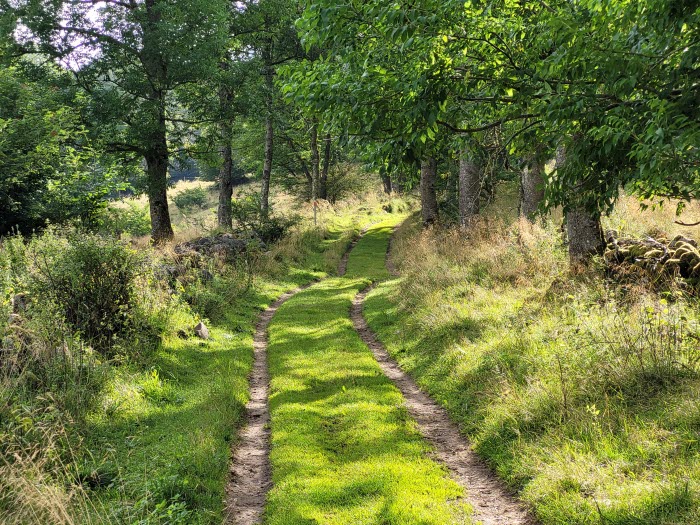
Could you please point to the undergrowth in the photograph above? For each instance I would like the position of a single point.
(581, 394)
(125, 416)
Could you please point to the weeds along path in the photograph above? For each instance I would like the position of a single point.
(344, 449)
(492, 503)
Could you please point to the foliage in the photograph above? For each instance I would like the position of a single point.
(132, 219)
(92, 281)
(191, 198)
(52, 170)
(423, 76)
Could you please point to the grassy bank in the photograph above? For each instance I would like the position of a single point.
(150, 444)
(581, 394)
(344, 450)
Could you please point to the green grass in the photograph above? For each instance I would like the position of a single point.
(344, 449)
(534, 369)
(165, 431)
(166, 423)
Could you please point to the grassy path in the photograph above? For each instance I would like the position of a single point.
(344, 449)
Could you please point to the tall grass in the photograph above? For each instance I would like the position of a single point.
(136, 426)
(580, 393)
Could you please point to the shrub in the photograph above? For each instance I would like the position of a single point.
(191, 198)
(348, 179)
(210, 298)
(91, 281)
(133, 219)
(249, 219)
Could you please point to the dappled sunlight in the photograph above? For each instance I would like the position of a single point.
(572, 393)
(344, 449)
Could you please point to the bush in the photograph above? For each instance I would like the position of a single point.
(347, 179)
(191, 198)
(133, 219)
(249, 219)
(91, 281)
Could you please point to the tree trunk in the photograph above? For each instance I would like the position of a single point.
(267, 167)
(224, 212)
(315, 161)
(428, 197)
(531, 187)
(323, 187)
(157, 180)
(469, 187)
(583, 228)
(386, 182)
(585, 235)
(269, 146)
(156, 141)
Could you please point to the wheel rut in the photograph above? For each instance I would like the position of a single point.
(493, 504)
(250, 475)
(250, 472)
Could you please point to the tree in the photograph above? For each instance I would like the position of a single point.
(470, 178)
(532, 184)
(132, 57)
(428, 176)
(52, 171)
(538, 72)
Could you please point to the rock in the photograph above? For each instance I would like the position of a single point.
(678, 239)
(201, 331)
(225, 245)
(19, 303)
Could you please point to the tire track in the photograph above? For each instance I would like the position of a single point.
(250, 475)
(492, 502)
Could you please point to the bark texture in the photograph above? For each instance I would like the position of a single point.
(224, 211)
(531, 187)
(583, 228)
(469, 188)
(428, 197)
(157, 175)
(267, 166)
(585, 235)
(386, 183)
(269, 136)
(315, 162)
(323, 185)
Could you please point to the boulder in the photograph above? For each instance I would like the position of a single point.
(224, 245)
(201, 331)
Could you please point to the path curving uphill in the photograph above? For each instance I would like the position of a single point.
(338, 435)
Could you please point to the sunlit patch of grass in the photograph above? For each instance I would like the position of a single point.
(154, 446)
(168, 423)
(582, 398)
(344, 449)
